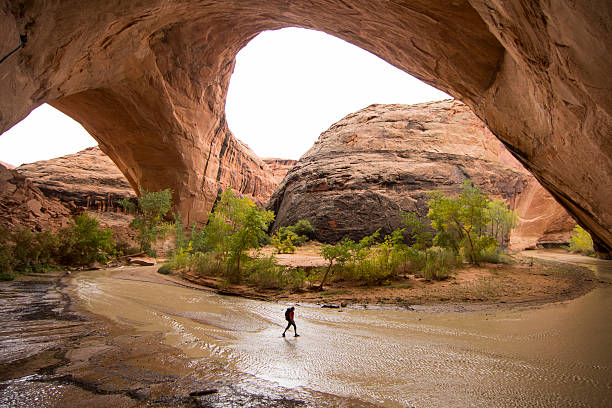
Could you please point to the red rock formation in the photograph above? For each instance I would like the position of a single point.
(149, 81)
(542, 221)
(22, 205)
(279, 168)
(385, 158)
(90, 179)
(6, 165)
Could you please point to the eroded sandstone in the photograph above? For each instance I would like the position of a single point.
(149, 79)
(23, 205)
(384, 159)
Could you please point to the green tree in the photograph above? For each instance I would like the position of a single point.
(148, 221)
(418, 230)
(339, 253)
(581, 241)
(236, 226)
(283, 243)
(462, 221)
(83, 242)
(502, 220)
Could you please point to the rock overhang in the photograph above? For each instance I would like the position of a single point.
(148, 80)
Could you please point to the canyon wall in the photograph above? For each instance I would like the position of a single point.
(91, 180)
(149, 80)
(23, 205)
(374, 163)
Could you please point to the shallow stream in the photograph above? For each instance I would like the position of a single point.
(556, 355)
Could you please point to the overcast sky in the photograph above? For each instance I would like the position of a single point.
(288, 87)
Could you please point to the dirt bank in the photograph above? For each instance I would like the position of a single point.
(525, 281)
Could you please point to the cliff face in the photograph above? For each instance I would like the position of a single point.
(87, 178)
(385, 158)
(149, 81)
(90, 179)
(542, 221)
(23, 205)
(279, 169)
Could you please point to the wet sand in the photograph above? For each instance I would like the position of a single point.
(153, 340)
(55, 353)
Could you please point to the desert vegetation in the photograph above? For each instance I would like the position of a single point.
(469, 228)
(81, 243)
(581, 242)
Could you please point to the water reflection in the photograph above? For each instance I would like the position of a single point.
(554, 356)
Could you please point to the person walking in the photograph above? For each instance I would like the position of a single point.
(290, 322)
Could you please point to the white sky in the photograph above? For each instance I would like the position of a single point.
(288, 87)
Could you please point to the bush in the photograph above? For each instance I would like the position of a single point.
(439, 263)
(581, 241)
(266, 273)
(299, 233)
(303, 228)
(284, 245)
(207, 264)
(153, 206)
(180, 260)
(165, 269)
(83, 242)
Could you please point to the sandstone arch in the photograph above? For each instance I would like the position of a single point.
(149, 79)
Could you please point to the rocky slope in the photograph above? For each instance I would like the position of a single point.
(23, 205)
(88, 179)
(385, 158)
(149, 80)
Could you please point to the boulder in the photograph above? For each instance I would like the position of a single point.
(374, 163)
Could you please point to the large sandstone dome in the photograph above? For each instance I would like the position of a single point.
(385, 158)
(149, 79)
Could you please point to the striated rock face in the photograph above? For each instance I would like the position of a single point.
(88, 178)
(23, 205)
(149, 79)
(385, 158)
(279, 169)
(542, 221)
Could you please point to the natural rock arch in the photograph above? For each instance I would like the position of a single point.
(148, 80)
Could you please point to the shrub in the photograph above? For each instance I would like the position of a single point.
(207, 264)
(266, 273)
(83, 242)
(153, 206)
(165, 269)
(297, 278)
(439, 263)
(299, 233)
(284, 245)
(180, 259)
(303, 228)
(581, 241)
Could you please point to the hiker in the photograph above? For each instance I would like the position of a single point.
(291, 322)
